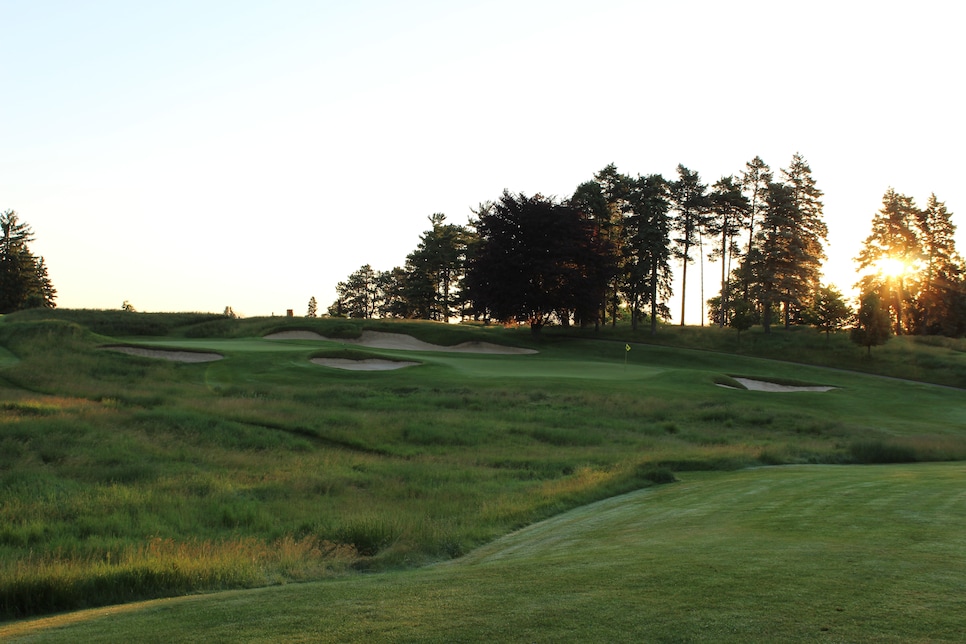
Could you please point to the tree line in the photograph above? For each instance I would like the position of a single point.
(24, 280)
(607, 252)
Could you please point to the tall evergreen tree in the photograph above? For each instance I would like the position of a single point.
(393, 287)
(24, 279)
(604, 202)
(435, 269)
(690, 202)
(359, 295)
(647, 249)
(771, 262)
(941, 289)
(590, 199)
(809, 235)
(730, 210)
(755, 179)
(891, 247)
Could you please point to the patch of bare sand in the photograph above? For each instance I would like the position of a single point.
(761, 385)
(371, 364)
(401, 341)
(168, 354)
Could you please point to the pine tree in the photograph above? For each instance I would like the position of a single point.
(435, 269)
(888, 251)
(730, 210)
(771, 264)
(359, 295)
(809, 234)
(24, 280)
(46, 294)
(603, 203)
(647, 250)
(755, 180)
(941, 288)
(690, 202)
(313, 309)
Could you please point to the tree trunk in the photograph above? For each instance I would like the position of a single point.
(701, 271)
(723, 312)
(654, 298)
(684, 281)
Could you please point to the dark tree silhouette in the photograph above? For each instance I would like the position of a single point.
(534, 259)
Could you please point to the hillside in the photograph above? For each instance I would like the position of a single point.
(131, 477)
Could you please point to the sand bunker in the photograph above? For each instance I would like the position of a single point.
(371, 364)
(761, 385)
(165, 354)
(381, 340)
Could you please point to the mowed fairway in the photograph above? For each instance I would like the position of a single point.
(470, 497)
(793, 554)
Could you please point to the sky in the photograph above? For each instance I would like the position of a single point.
(193, 155)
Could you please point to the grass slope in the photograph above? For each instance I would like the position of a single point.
(127, 478)
(814, 553)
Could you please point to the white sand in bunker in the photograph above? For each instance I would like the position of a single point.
(371, 364)
(166, 354)
(382, 340)
(762, 385)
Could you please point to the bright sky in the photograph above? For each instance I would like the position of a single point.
(189, 155)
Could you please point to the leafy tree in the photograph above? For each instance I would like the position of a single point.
(872, 322)
(690, 202)
(534, 258)
(313, 310)
(127, 307)
(730, 210)
(829, 311)
(890, 248)
(742, 317)
(24, 279)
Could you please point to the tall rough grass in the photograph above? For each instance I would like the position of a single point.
(59, 581)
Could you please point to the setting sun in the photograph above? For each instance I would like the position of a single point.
(892, 267)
